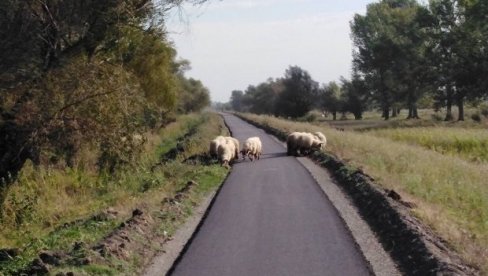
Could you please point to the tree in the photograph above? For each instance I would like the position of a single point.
(299, 93)
(76, 73)
(193, 96)
(441, 43)
(459, 52)
(236, 100)
(355, 96)
(330, 99)
(389, 52)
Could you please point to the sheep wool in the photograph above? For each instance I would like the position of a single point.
(302, 142)
(236, 144)
(252, 148)
(322, 138)
(226, 153)
(214, 144)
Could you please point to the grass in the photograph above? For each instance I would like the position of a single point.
(451, 193)
(469, 144)
(42, 200)
(428, 118)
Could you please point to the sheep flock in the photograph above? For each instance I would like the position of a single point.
(226, 149)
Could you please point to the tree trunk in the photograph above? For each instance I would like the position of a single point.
(460, 104)
(415, 112)
(412, 111)
(449, 116)
(334, 115)
(394, 112)
(358, 115)
(386, 113)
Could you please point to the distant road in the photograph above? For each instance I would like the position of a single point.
(271, 218)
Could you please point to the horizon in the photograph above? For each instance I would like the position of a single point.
(236, 43)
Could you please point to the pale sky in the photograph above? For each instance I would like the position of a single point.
(234, 43)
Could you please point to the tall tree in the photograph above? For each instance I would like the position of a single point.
(237, 100)
(75, 72)
(355, 96)
(459, 49)
(389, 51)
(299, 93)
(330, 99)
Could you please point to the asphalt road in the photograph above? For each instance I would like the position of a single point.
(271, 218)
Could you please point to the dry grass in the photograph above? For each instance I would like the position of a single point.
(451, 193)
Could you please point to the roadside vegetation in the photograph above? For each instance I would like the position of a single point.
(468, 144)
(53, 209)
(450, 193)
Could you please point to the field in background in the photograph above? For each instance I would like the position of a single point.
(451, 194)
(469, 144)
(428, 118)
(52, 208)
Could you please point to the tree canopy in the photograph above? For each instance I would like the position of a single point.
(86, 73)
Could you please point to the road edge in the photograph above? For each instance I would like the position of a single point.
(173, 250)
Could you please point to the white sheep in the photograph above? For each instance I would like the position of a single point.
(214, 144)
(321, 137)
(226, 153)
(252, 148)
(303, 142)
(292, 143)
(236, 144)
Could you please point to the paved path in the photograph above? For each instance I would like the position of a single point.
(271, 218)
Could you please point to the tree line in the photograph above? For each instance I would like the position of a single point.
(87, 73)
(404, 53)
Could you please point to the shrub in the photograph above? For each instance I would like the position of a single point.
(476, 117)
(484, 109)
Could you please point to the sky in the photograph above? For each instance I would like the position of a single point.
(232, 44)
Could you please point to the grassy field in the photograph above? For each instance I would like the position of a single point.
(451, 193)
(428, 118)
(469, 144)
(52, 208)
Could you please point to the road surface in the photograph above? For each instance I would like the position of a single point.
(271, 218)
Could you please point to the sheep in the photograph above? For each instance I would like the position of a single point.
(321, 137)
(214, 144)
(303, 142)
(292, 143)
(236, 144)
(252, 148)
(226, 153)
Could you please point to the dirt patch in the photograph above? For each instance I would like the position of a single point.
(413, 246)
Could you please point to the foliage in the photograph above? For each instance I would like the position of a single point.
(330, 99)
(86, 74)
(390, 52)
(193, 96)
(298, 95)
(66, 207)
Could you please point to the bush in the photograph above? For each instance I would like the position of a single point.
(437, 117)
(476, 117)
(484, 109)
